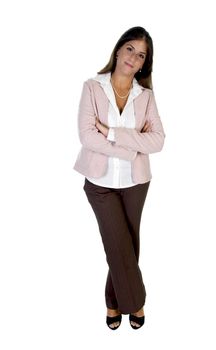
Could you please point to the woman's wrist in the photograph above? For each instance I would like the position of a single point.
(111, 135)
(102, 128)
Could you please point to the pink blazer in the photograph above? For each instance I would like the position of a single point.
(130, 144)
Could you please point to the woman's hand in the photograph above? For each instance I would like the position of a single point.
(101, 127)
(104, 129)
(147, 127)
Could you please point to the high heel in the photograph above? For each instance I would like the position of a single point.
(139, 320)
(111, 320)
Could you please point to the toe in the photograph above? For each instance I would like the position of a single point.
(135, 324)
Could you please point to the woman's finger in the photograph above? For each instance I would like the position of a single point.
(146, 127)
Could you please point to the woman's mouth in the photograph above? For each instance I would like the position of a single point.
(129, 65)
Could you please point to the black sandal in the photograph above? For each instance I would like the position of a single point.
(139, 320)
(111, 320)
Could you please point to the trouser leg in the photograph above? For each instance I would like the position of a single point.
(118, 245)
(133, 199)
(110, 295)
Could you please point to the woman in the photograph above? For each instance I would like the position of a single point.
(119, 127)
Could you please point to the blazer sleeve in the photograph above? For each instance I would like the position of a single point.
(143, 142)
(89, 135)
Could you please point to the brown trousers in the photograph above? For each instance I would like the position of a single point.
(118, 213)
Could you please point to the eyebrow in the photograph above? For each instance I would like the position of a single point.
(134, 49)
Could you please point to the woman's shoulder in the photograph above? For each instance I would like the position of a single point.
(96, 83)
(90, 84)
(99, 79)
(146, 92)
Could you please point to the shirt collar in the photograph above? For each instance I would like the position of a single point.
(104, 79)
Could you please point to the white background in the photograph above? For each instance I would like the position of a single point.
(52, 263)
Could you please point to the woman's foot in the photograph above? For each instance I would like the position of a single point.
(113, 313)
(140, 316)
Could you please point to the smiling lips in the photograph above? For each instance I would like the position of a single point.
(128, 64)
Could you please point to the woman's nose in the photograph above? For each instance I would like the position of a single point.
(133, 56)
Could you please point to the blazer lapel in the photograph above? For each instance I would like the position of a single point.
(100, 101)
(140, 106)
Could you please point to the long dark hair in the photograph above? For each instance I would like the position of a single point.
(136, 33)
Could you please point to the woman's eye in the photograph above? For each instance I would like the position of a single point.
(129, 48)
(142, 56)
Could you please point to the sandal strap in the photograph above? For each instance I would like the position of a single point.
(114, 319)
(139, 320)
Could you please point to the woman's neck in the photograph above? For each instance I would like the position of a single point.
(121, 82)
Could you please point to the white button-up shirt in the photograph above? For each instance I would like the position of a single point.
(118, 174)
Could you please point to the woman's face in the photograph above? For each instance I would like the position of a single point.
(131, 57)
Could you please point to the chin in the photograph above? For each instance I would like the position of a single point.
(128, 71)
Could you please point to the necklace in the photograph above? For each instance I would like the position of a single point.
(117, 92)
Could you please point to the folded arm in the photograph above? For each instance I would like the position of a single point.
(89, 135)
(145, 142)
